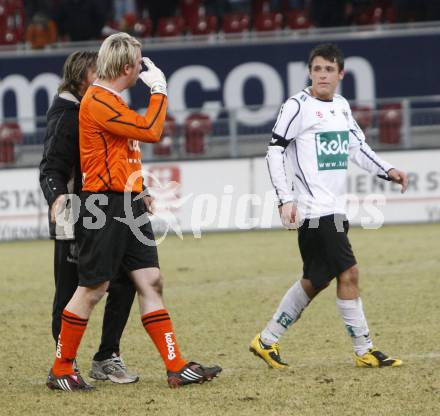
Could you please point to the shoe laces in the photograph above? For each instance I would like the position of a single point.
(379, 355)
(276, 348)
(268, 347)
(118, 361)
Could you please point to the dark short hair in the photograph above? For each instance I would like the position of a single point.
(328, 51)
(75, 70)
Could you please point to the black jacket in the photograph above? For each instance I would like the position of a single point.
(60, 171)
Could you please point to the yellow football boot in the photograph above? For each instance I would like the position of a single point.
(374, 358)
(268, 353)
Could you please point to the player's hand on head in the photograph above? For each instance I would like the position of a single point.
(400, 177)
(153, 77)
(288, 215)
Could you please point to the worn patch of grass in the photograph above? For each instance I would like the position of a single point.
(220, 291)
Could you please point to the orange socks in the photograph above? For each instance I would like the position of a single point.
(72, 330)
(159, 327)
(157, 324)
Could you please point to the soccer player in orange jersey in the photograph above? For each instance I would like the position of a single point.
(110, 156)
(60, 175)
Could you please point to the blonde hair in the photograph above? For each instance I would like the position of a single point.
(115, 52)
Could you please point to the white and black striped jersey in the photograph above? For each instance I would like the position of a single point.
(308, 154)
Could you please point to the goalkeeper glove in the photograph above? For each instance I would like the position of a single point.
(153, 77)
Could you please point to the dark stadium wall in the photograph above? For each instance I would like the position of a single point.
(221, 76)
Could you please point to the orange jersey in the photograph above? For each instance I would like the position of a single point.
(109, 135)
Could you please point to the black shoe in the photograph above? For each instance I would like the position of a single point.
(69, 382)
(192, 373)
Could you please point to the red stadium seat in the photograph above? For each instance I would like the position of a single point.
(363, 116)
(390, 15)
(10, 135)
(298, 19)
(204, 25)
(384, 11)
(377, 15)
(114, 24)
(260, 6)
(268, 21)
(15, 21)
(8, 37)
(3, 18)
(190, 11)
(165, 146)
(383, 15)
(390, 123)
(143, 27)
(130, 23)
(12, 27)
(236, 23)
(197, 127)
(171, 26)
(367, 15)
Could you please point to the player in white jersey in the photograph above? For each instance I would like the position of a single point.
(313, 138)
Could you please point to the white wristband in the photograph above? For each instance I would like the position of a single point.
(158, 88)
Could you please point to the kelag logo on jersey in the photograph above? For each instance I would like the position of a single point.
(332, 150)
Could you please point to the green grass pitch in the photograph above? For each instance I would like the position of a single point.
(221, 290)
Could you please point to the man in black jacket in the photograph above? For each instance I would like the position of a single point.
(60, 175)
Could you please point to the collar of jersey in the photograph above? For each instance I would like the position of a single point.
(307, 91)
(96, 84)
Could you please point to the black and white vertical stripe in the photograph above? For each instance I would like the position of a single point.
(288, 113)
(64, 384)
(366, 154)
(191, 375)
(293, 118)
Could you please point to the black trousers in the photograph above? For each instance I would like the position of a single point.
(120, 298)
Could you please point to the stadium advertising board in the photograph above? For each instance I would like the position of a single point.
(197, 196)
(238, 76)
(23, 210)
